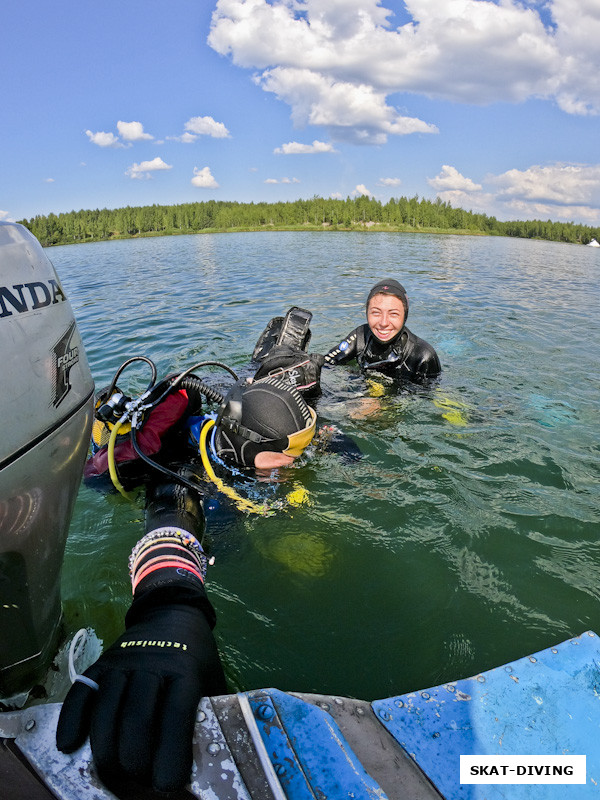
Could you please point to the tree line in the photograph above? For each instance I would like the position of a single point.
(402, 214)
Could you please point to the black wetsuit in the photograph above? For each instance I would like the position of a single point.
(406, 356)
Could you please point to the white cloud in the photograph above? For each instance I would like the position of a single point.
(389, 182)
(5, 216)
(283, 180)
(296, 148)
(577, 36)
(564, 192)
(48, 180)
(356, 113)
(206, 126)
(203, 179)
(336, 63)
(145, 168)
(361, 189)
(132, 131)
(104, 139)
(478, 202)
(186, 138)
(450, 179)
(586, 215)
(564, 184)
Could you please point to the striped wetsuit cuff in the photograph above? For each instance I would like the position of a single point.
(167, 548)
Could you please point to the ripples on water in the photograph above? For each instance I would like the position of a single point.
(466, 536)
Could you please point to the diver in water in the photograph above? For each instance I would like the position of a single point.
(262, 423)
(138, 701)
(384, 343)
(282, 352)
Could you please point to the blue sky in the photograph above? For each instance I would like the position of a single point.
(492, 106)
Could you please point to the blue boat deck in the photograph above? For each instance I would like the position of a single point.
(272, 745)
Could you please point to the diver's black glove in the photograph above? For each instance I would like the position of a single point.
(141, 718)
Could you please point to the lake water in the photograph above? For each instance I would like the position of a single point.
(465, 537)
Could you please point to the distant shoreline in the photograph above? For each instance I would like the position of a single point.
(367, 228)
(359, 214)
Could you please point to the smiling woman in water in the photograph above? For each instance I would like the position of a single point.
(384, 343)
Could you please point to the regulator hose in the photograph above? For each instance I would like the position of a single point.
(112, 465)
(178, 380)
(161, 468)
(126, 364)
(195, 384)
(242, 503)
(152, 396)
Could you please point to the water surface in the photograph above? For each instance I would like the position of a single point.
(465, 537)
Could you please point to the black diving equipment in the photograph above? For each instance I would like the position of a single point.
(135, 411)
(392, 359)
(267, 414)
(291, 331)
(281, 352)
(301, 370)
(112, 409)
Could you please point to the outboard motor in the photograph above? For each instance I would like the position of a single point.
(46, 409)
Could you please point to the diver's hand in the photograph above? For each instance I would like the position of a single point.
(141, 718)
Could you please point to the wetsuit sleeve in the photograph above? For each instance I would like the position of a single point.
(429, 365)
(345, 351)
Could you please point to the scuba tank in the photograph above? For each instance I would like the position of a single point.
(46, 407)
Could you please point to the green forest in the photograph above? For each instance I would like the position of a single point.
(360, 213)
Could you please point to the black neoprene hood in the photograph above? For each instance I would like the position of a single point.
(268, 408)
(390, 286)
